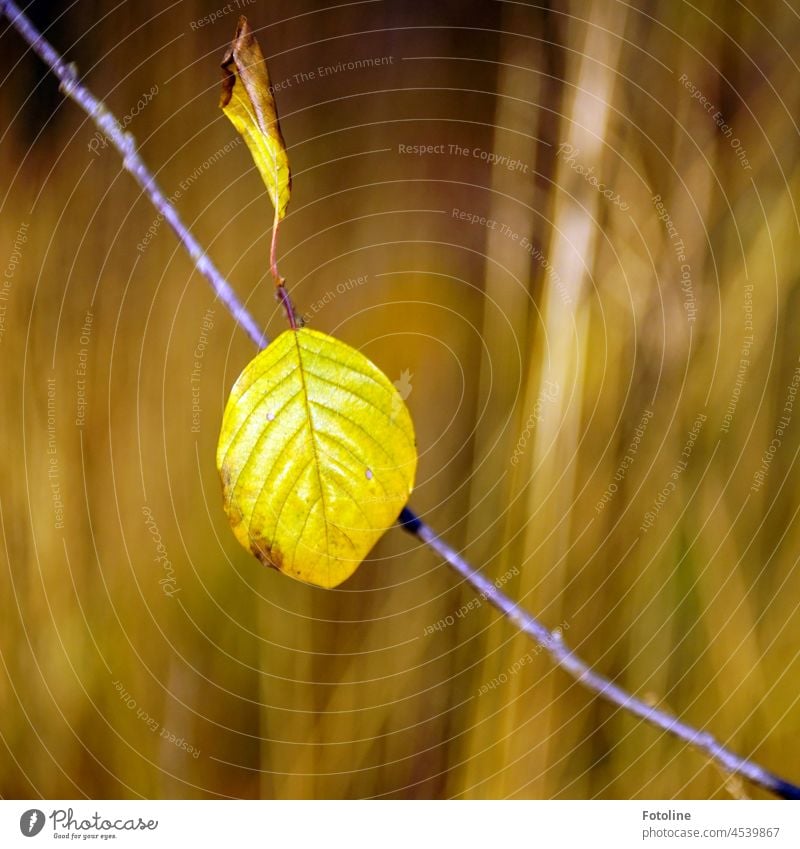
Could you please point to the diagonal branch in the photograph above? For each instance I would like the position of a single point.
(132, 162)
(563, 656)
(551, 641)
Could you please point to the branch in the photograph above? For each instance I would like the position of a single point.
(551, 641)
(132, 162)
(563, 656)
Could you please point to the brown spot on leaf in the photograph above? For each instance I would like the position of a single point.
(272, 557)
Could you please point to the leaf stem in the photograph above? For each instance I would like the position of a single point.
(550, 641)
(273, 251)
(288, 306)
(281, 292)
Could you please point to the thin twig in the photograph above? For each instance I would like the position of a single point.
(273, 250)
(550, 641)
(563, 656)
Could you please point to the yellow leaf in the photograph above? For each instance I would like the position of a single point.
(247, 100)
(317, 456)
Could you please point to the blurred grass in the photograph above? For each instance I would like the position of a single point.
(288, 691)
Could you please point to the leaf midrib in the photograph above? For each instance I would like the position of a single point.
(307, 404)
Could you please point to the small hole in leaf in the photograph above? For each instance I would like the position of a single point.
(369, 474)
(270, 416)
